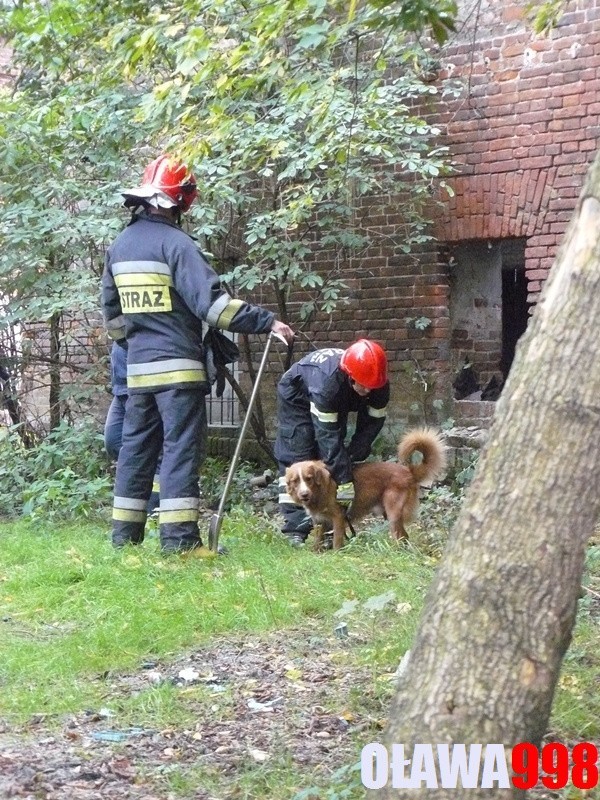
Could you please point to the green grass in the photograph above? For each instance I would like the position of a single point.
(77, 618)
(72, 609)
(576, 709)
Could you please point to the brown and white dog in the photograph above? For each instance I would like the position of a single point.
(387, 488)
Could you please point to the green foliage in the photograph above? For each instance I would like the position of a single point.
(419, 388)
(299, 118)
(546, 15)
(59, 175)
(288, 112)
(464, 475)
(64, 475)
(344, 784)
(61, 145)
(418, 323)
(438, 511)
(418, 15)
(212, 482)
(65, 495)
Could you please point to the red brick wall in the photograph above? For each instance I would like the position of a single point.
(522, 132)
(525, 129)
(389, 292)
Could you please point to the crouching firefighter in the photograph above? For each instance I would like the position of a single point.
(314, 398)
(156, 289)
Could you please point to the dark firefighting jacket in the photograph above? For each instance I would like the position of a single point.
(316, 386)
(156, 287)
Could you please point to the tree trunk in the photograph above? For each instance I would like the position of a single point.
(500, 612)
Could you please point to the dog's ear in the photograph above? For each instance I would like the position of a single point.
(317, 475)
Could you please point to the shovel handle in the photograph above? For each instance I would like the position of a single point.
(217, 518)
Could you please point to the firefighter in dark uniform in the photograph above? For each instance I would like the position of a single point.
(113, 425)
(156, 289)
(314, 399)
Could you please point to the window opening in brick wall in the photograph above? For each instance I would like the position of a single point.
(488, 305)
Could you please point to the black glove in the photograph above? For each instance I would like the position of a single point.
(220, 351)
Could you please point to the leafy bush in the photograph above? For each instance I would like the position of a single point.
(66, 474)
(213, 475)
(438, 511)
(345, 783)
(464, 475)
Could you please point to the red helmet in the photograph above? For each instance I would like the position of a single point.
(366, 363)
(170, 177)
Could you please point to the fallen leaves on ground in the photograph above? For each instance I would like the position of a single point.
(254, 700)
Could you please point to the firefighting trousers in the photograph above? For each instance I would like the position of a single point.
(174, 420)
(113, 436)
(295, 442)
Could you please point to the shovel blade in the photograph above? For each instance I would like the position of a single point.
(213, 531)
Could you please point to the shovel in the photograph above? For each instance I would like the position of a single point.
(217, 518)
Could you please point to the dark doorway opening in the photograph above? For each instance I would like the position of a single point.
(488, 308)
(515, 308)
(515, 313)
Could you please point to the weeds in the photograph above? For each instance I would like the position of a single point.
(80, 623)
(344, 784)
(73, 608)
(65, 475)
(68, 475)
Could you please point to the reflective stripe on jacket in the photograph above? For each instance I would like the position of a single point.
(156, 289)
(316, 384)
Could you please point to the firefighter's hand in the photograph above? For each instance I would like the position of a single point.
(283, 331)
(345, 493)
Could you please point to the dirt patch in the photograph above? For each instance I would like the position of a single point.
(250, 701)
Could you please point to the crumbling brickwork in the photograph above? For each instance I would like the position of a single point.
(523, 131)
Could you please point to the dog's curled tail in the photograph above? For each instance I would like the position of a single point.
(428, 442)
